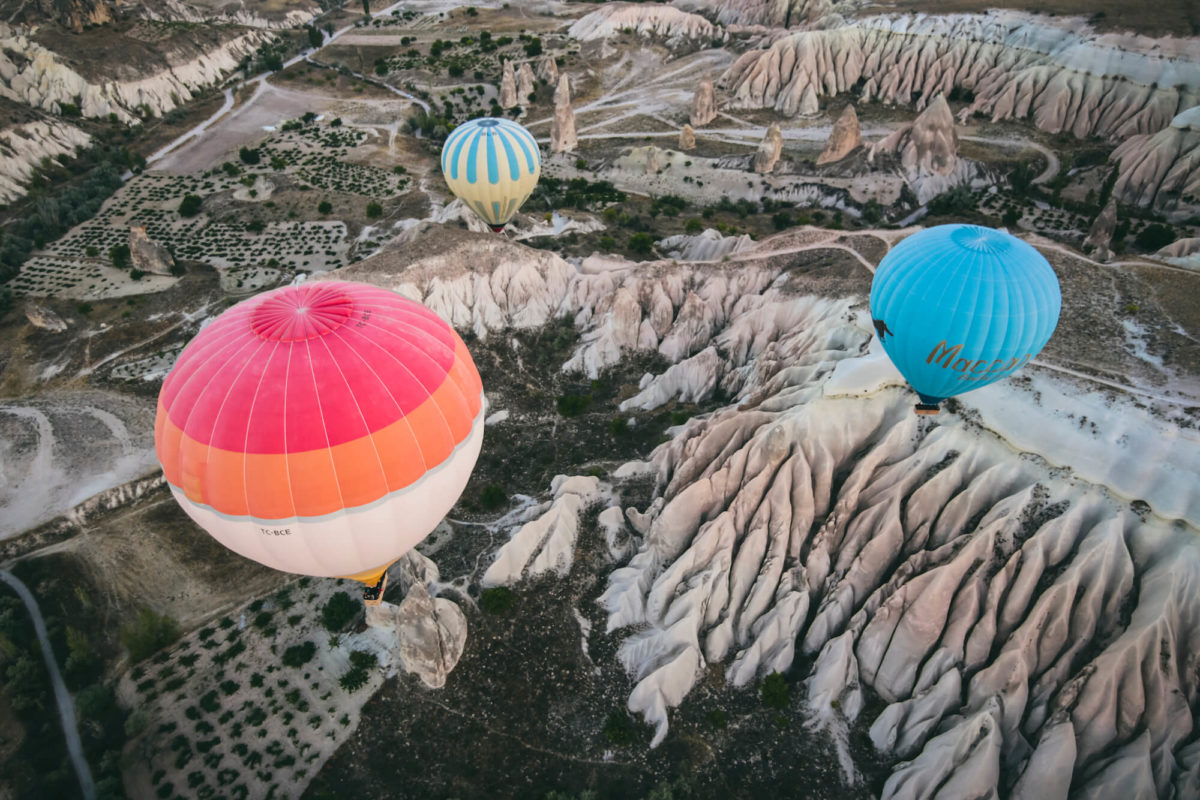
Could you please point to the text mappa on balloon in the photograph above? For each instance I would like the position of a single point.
(972, 370)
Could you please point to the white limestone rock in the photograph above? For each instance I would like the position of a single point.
(690, 381)
(525, 83)
(547, 542)
(22, 148)
(652, 20)
(41, 317)
(704, 104)
(548, 70)
(1161, 170)
(562, 127)
(1058, 73)
(769, 150)
(1100, 235)
(508, 86)
(845, 138)
(148, 255)
(430, 633)
(772, 13)
(929, 145)
(687, 138)
(708, 245)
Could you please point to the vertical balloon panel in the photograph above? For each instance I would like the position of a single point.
(957, 307)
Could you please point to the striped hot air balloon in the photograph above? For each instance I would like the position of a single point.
(957, 307)
(492, 165)
(323, 429)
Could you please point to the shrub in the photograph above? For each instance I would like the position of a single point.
(1154, 237)
(620, 729)
(497, 600)
(572, 405)
(119, 255)
(492, 497)
(694, 226)
(190, 205)
(339, 611)
(354, 679)
(374, 210)
(249, 155)
(150, 633)
(775, 691)
(641, 243)
(299, 655)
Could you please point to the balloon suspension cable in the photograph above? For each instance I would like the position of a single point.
(373, 595)
(926, 409)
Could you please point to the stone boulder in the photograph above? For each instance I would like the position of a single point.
(44, 318)
(148, 255)
(769, 150)
(1099, 238)
(704, 104)
(844, 139)
(508, 87)
(525, 83)
(562, 128)
(929, 145)
(548, 70)
(687, 138)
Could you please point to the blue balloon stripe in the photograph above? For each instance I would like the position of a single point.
(514, 168)
(473, 158)
(493, 166)
(456, 159)
(529, 146)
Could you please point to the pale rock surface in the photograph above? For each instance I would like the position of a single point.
(708, 245)
(772, 13)
(1162, 170)
(687, 137)
(962, 762)
(22, 148)
(1099, 236)
(525, 83)
(651, 19)
(31, 74)
(845, 137)
(1059, 73)
(562, 127)
(508, 86)
(769, 150)
(616, 533)
(429, 632)
(148, 255)
(704, 104)
(546, 543)
(232, 14)
(43, 318)
(929, 145)
(690, 381)
(548, 70)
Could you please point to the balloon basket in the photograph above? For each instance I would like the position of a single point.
(373, 595)
(926, 409)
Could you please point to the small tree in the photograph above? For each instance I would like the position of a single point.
(641, 243)
(150, 633)
(249, 155)
(190, 205)
(497, 600)
(775, 691)
(299, 655)
(119, 255)
(1154, 237)
(324, 207)
(339, 611)
(374, 210)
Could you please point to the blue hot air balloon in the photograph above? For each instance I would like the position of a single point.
(493, 166)
(957, 307)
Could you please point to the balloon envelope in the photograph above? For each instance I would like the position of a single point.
(322, 429)
(957, 307)
(492, 165)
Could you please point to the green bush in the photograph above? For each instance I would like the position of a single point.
(497, 600)
(775, 691)
(641, 243)
(354, 679)
(694, 226)
(374, 210)
(150, 633)
(492, 497)
(572, 405)
(299, 655)
(119, 255)
(324, 207)
(190, 205)
(619, 729)
(249, 155)
(339, 612)
(1154, 237)
(363, 658)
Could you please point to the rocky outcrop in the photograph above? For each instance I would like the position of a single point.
(1059, 74)
(22, 148)
(845, 137)
(31, 74)
(525, 83)
(548, 70)
(929, 145)
(281, 18)
(1162, 170)
(709, 245)
(773, 13)
(78, 15)
(687, 137)
(44, 318)
(1099, 238)
(508, 86)
(148, 255)
(562, 127)
(673, 26)
(704, 104)
(769, 150)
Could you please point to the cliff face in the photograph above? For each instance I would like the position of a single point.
(159, 78)
(1162, 170)
(23, 147)
(1061, 76)
(774, 13)
(663, 22)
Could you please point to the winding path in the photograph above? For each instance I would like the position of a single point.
(66, 709)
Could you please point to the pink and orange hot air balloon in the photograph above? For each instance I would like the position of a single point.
(323, 429)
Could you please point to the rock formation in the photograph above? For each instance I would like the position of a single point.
(508, 86)
(1100, 236)
(36, 76)
(769, 150)
(525, 83)
(1162, 170)
(687, 138)
(1057, 73)
(929, 145)
(704, 104)
(653, 20)
(773, 13)
(548, 70)
(261, 16)
(148, 255)
(79, 14)
(22, 148)
(844, 139)
(562, 128)
(708, 245)
(42, 317)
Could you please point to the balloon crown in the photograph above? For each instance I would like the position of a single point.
(296, 313)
